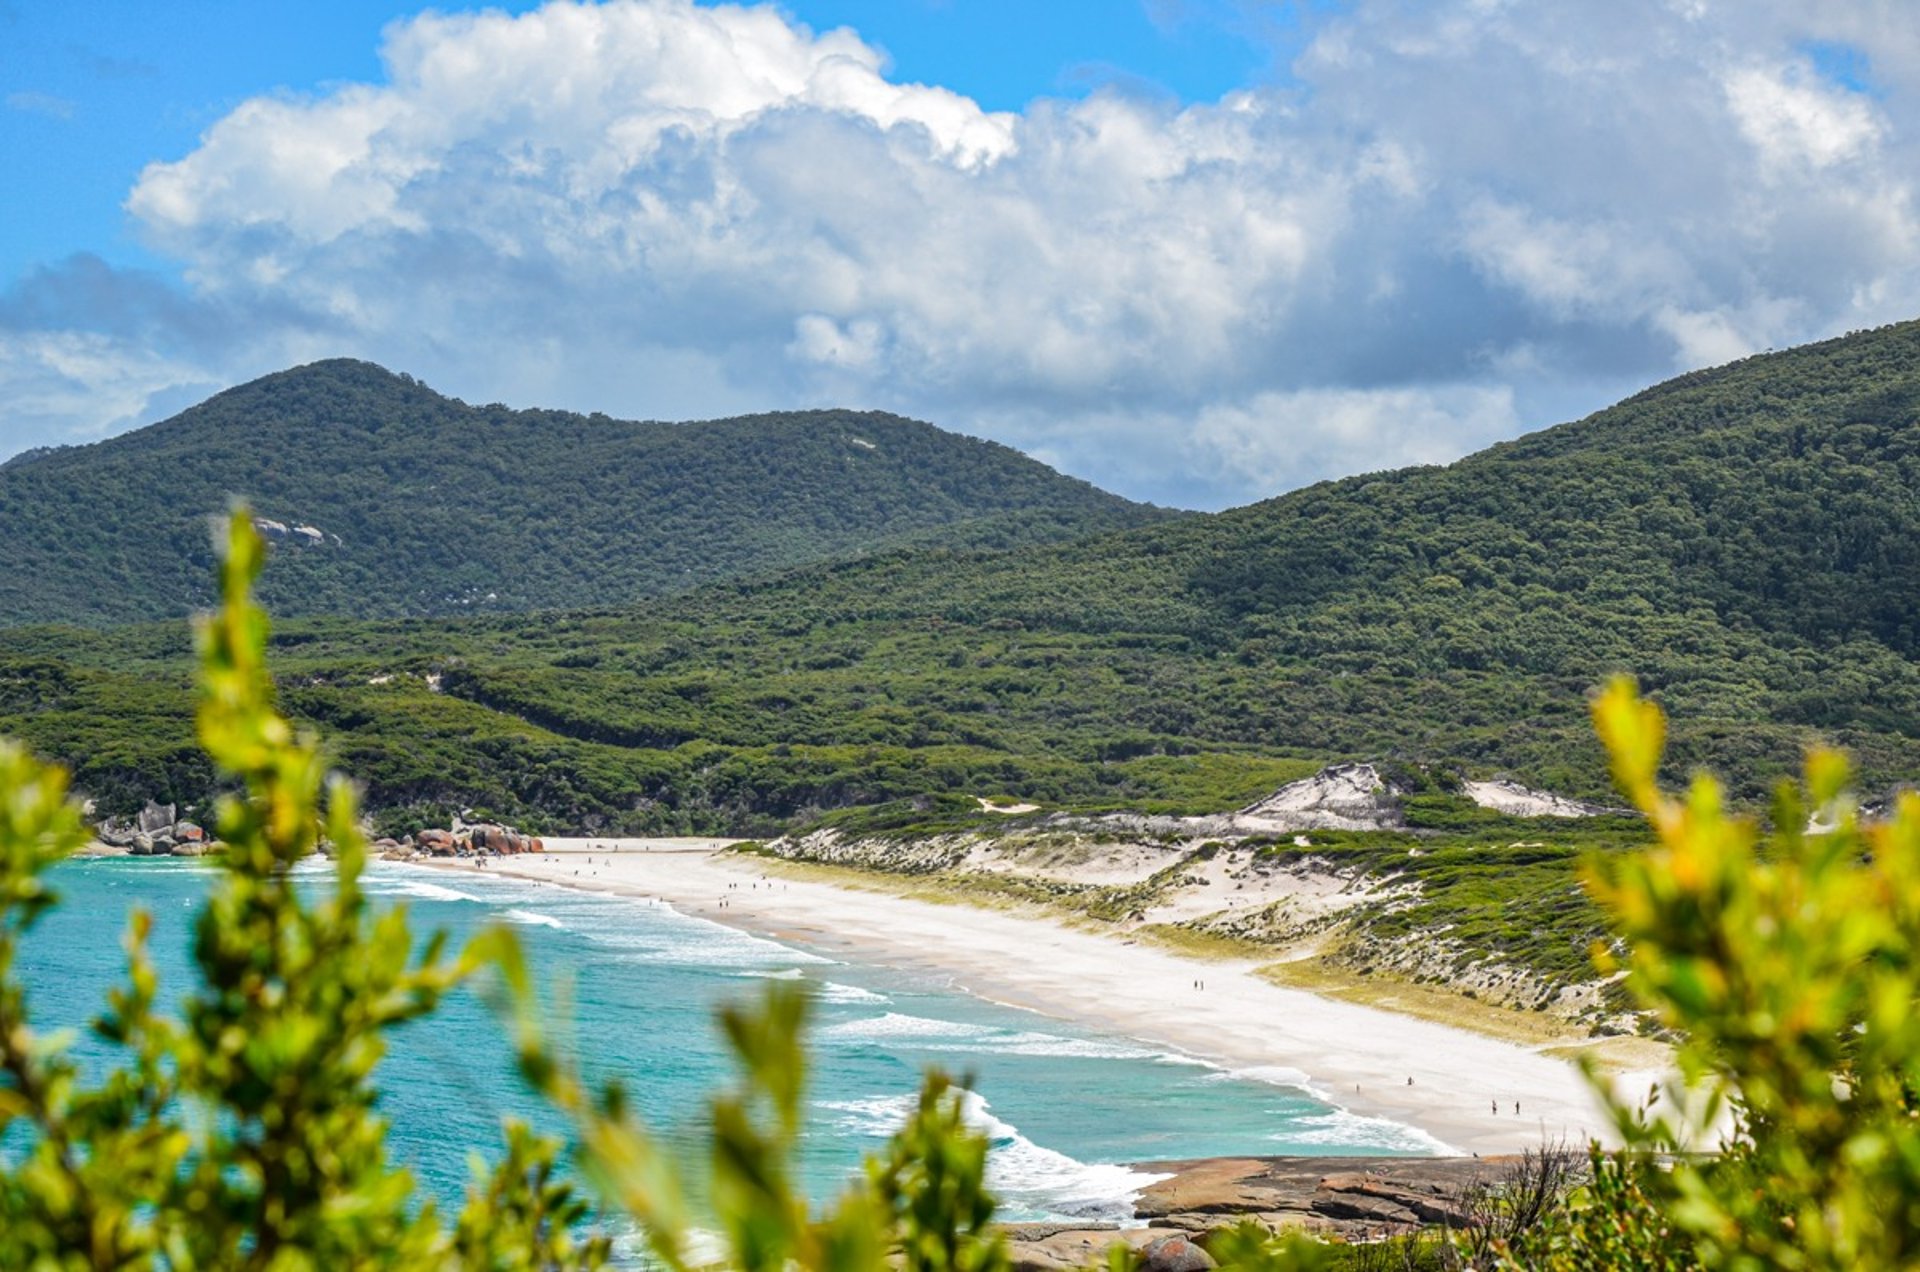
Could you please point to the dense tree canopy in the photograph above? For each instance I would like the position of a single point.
(1747, 540)
(426, 505)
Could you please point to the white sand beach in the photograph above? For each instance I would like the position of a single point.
(1470, 1092)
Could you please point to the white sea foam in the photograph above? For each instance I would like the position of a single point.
(708, 946)
(824, 991)
(957, 1038)
(1028, 1177)
(875, 1116)
(1051, 1181)
(1345, 1129)
(1273, 1075)
(897, 1026)
(683, 938)
(835, 992)
(1337, 1127)
(1045, 1044)
(394, 886)
(534, 918)
(659, 934)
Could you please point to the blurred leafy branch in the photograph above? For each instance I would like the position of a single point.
(244, 1134)
(1782, 955)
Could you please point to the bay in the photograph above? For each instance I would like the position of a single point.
(633, 988)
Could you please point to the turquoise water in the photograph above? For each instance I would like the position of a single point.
(1066, 1108)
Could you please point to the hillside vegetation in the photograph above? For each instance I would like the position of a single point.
(424, 505)
(1746, 540)
(1780, 960)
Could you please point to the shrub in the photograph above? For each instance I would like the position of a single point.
(244, 1133)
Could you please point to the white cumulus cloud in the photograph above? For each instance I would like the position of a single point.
(62, 388)
(1266, 442)
(1444, 222)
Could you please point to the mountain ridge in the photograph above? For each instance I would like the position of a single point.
(1747, 543)
(429, 505)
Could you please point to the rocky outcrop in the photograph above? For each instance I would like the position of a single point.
(1340, 1198)
(1060, 1247)
(1176, 1253)
(157, 832)
(436, 843)
(467, 841)
(1345, 1195)
(115, 835)
(280, 532)
(1048, 1247)
(501, 841)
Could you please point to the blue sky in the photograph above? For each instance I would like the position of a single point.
(1197, 251)
(96, 91)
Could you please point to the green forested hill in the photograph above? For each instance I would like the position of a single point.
(428, 506)
(1746, 540)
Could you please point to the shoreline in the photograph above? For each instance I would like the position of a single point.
(1439, 1079)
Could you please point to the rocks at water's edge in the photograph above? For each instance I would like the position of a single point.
(157, 831)
(1316, 1193)
(1056, 1247)
(1176, 1253)
(1338, 1198)
(461, 841)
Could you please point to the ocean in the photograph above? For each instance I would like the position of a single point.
(634, 987)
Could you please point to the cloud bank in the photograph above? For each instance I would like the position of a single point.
(1443, 222)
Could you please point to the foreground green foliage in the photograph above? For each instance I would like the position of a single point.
(244, 1134)
(1783, 958)
(430, 506)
